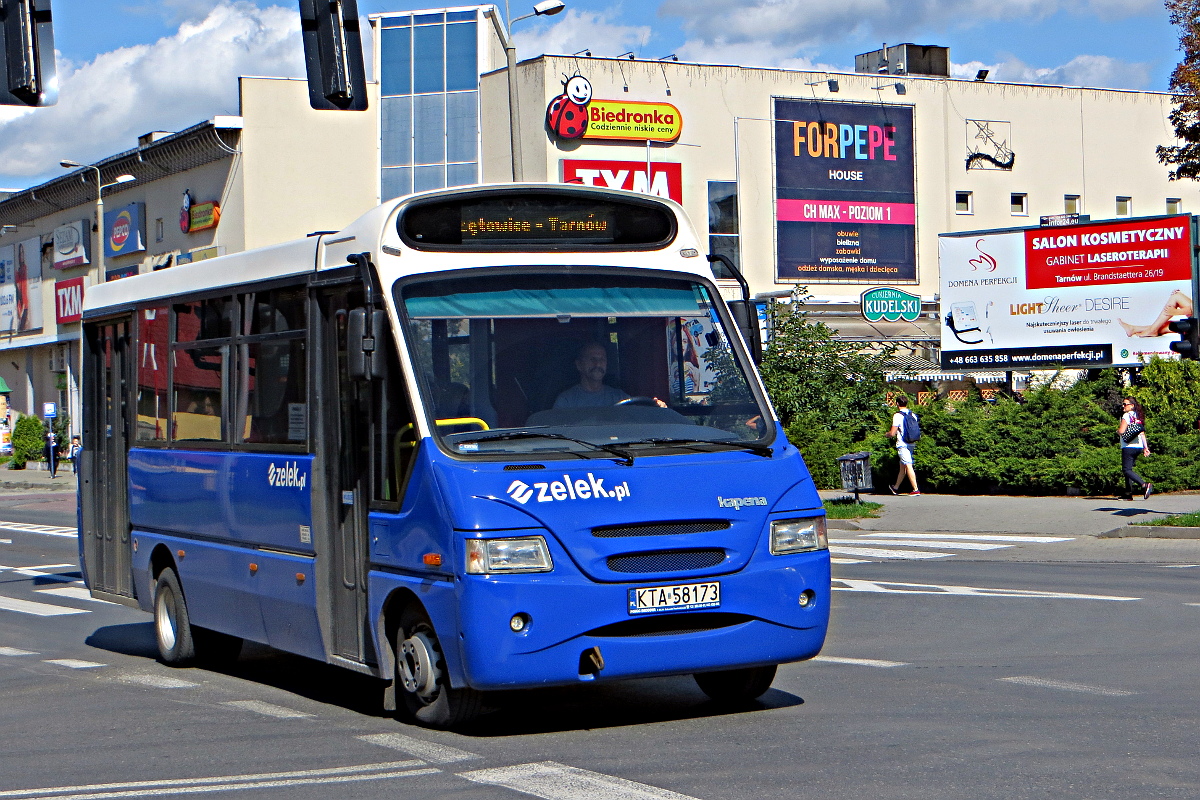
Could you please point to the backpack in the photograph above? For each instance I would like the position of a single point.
(910, 432)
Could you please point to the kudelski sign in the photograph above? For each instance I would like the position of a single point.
(884, 303)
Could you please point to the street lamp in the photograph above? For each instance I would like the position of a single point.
(100, 187)
(546, 8)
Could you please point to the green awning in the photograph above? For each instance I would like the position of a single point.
(4, 387)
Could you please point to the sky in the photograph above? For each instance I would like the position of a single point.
(127, 67)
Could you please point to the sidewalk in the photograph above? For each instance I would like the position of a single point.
(1068, 516)
(36, 479)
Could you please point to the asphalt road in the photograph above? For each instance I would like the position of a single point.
(1030, 669)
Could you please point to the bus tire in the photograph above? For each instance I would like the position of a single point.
(423, 690)
(736, 685)
(172, 627)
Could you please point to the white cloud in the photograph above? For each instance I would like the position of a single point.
(169, 85)
(1091, 71)
(582, 30)
(799, 26)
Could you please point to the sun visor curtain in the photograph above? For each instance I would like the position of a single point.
(422, 302)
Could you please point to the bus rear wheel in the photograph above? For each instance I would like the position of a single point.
(172, 627)
(422, 685)
(736, 685)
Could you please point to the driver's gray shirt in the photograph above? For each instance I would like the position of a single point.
(578, 397)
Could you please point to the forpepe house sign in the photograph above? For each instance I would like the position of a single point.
(575, 114)
(884, 303)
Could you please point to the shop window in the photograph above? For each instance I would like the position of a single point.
(1018, 204)
(1070, 204)
(1124, 206)
(964, 203)
(723, 234)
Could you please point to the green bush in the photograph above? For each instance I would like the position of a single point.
(28, 441)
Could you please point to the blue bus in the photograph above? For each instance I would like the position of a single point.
(482, 439)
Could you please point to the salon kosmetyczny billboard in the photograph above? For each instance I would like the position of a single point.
(845, 192)
(1086, 295)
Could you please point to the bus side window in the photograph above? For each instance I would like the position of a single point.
(273, 401)
(153, 353)
(393, 437)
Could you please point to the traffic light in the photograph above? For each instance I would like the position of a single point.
(1188, 345)
(27, 72)
(333, 56)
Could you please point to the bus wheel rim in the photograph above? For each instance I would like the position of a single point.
(166, 619)
(418, 670)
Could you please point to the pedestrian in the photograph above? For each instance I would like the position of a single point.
(1132, 432)
(74, 453)
(51, 452)
(907, 429)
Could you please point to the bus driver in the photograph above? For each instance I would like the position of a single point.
(591, 360)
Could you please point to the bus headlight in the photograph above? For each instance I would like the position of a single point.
(527, 554)
(798, 535)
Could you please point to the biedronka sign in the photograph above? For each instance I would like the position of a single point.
(575, 114)
(1089, 295)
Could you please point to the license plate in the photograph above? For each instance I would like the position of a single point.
(685, 596)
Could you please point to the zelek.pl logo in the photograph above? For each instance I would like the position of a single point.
(288, 476)
(567, 489)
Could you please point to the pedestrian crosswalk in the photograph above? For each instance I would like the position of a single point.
(45, 530)
(878, 546)
(41, 600)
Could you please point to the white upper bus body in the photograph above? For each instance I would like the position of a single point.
(375, 233)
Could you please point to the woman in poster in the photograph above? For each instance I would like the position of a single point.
(22, 283)
(1178, 304)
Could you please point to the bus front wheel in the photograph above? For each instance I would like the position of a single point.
(422, 684)
(736, 685)
(172, 627)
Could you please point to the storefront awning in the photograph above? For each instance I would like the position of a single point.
(4, 387)
(859, 330)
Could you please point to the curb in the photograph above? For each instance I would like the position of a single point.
(1151, 532)
(40, 486)
(843, 524)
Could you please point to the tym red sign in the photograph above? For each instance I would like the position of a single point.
(666, 179)
(1138, 251)
(68, 300)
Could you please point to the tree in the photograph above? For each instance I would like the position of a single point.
(1185, 84)
(29, 441)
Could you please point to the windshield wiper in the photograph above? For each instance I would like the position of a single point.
(758, 449)
(626, 457)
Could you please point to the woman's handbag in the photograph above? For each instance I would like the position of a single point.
(1132, 431)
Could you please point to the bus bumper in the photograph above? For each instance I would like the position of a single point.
(760, 621)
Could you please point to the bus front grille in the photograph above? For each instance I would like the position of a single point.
(670, 624)
(660, 528)
(667, 560)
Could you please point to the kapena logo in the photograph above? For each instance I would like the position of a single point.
(289, 475)
(738, 502)
(567, 489)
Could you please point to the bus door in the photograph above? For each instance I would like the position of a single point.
(104, 495)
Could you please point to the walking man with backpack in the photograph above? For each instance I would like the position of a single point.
(906, 427)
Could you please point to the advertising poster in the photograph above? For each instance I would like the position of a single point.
(125, 230)
(845, 192)
(27, 285)
(8, 289)
(666, 178)
(1089, 295)
(72, 244)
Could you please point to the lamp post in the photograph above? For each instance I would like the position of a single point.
(546, 8)
(100, 187)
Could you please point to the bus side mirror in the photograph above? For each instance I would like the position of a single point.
(745, 316)
(366, 334)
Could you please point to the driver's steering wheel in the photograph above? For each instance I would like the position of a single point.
(637, 401)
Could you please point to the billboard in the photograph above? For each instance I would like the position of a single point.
(21, 286)
(68, 300)
(845, 192)
(666, 178)
(72, 244)
(125, 230)
(1089, 295)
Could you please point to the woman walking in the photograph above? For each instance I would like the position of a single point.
(1132, 432)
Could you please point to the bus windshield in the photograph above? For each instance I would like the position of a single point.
(574, 364)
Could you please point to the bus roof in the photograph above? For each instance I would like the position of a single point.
(375, 232)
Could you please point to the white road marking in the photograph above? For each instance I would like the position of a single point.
(552, 781)
(73, 593)
(37, 609)
(40, 572)
(435, 753)
(923, 543)
(73, 663)
(5, 541)
(223, 783)
(1179, 566)
(266, 709)
(16, 651)
(978, 537)
(1066, 686)
(882, 587)
(158, 681)
(861, 662)
(1192, 604)
(876, 553)
(46, 530)
(835, 560)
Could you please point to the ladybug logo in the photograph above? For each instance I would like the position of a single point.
(567, 114)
